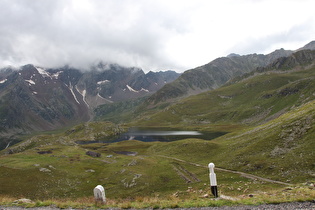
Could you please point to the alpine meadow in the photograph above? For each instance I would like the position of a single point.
(64, 131)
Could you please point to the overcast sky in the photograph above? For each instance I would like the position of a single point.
(150, 34)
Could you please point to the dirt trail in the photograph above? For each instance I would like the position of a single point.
(250, 176)
(185, 174)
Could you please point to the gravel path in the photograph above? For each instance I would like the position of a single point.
(282, 206)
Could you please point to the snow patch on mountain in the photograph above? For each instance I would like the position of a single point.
(3, 81)
(31, 82)
(46, 74)
(83, 93)
(56, 75)
(131, 89)
(72, 92)
(103, 82)
(43, 72)
(135, 91)
(145, 90)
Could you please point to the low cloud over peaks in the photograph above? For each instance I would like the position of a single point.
(153, 35)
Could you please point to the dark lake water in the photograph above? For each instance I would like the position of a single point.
(146, 135)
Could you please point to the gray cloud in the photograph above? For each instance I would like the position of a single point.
(154, 35)
(297, 36)
(79, 33)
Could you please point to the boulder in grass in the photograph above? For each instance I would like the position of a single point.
(93, 154)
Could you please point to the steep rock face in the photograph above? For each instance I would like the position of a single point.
(113, 83)
(214, 74)
(108, 84)
(153, 81)
(37, 99)
(299, 58)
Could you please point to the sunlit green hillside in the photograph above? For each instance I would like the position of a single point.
(253, 100)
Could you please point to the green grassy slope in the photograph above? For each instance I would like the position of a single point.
(281, 149)
(118, 112)
(254, 100)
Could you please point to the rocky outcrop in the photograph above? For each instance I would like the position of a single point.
(214, 75)
(93, 154)
(300, 58)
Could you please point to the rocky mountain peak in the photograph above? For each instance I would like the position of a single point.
(233, 55)
(309, 46)
(34, 98)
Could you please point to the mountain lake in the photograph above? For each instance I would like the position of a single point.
(156, 134)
